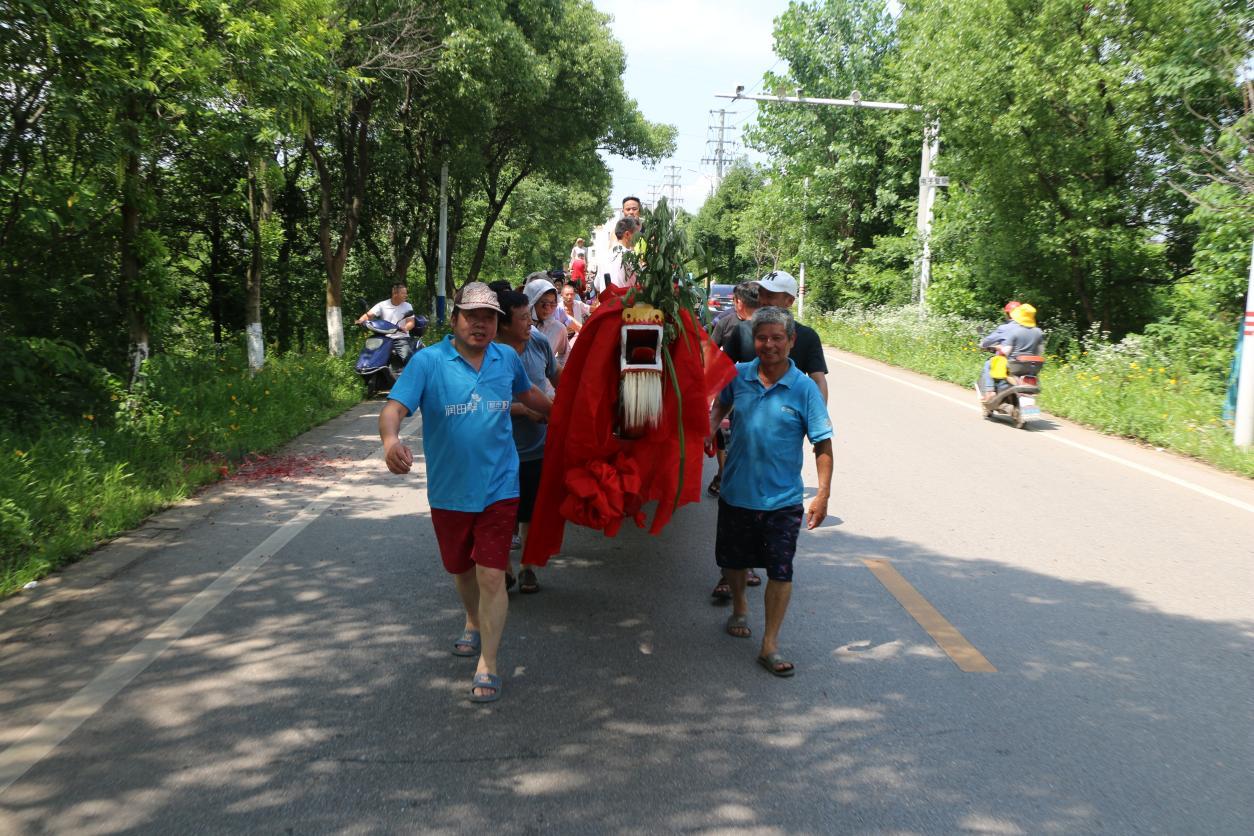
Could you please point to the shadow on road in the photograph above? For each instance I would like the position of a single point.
(321, 697)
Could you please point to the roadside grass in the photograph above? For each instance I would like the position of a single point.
(1119, 388)
(66, 488)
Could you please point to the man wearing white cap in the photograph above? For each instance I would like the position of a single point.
(778, 289)
(464, 386)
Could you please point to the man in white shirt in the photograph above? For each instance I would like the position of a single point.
(625, 231)
(399, 312)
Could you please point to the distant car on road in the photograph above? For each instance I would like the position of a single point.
(720, 298)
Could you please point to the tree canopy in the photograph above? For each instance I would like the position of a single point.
(175, 174)
(1098, 155)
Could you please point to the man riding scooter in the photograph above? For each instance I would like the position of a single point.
(400, 313)
(1013, 339)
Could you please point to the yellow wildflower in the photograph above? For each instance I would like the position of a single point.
(88, 417)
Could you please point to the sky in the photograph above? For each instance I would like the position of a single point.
(680, 53)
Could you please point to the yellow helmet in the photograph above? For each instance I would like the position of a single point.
(1025, 315)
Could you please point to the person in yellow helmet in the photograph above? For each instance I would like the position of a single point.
(1011, 339)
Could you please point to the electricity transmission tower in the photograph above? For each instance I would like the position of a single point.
(721, 149)
(672, 185)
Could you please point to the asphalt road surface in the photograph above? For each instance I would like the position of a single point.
(997, 631)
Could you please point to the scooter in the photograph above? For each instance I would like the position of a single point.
(382, 358)
(1016, 389)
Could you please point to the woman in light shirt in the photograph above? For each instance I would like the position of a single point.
(544, 304)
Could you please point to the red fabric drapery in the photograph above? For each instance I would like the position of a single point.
(593, 478)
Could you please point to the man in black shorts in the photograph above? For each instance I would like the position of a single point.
(760, 507)
(779, 289)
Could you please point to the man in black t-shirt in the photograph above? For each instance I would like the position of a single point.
(730, 329)
(779, 289)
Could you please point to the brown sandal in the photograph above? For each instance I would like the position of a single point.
(527, 582)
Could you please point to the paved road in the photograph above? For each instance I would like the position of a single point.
(274, 657)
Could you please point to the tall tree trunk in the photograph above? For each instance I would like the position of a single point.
(289, 204)
(215, 271)
(259, 208)
(496, 204)
(354, 147)
(132, 184)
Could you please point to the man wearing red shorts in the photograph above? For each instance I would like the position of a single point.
(464, 386)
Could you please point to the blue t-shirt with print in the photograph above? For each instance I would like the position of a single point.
(466, 432)
(765, 456)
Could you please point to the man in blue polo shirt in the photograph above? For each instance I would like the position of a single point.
(464, 386)
(760, 505)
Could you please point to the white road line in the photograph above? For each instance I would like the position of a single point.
(38, 741)
(1055, 437)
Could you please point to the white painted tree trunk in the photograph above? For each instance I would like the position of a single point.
(256, 346)
(335, 332)
(138, 354)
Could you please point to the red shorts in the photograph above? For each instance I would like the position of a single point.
(468, 539)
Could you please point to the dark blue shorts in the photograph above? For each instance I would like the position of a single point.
(749, 539)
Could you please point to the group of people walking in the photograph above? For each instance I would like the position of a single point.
(485, 393)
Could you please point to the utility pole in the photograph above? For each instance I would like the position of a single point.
(719, 155)
(672, 185)
(928, 181)
(1243, 431)
(805, 237)
(653, 190)
(442, 261)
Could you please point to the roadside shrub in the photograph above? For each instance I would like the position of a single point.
(1139, 387)
(67, 484)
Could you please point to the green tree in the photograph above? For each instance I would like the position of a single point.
(1054, 124)
(842, 178)
(715, 226)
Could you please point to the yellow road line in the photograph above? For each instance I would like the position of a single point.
(961, 651)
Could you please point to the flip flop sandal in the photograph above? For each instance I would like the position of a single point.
(716, 485)
(722, 591)
(485, 680)
(772, 661)
(753, 579)
(468, 644)
(738, 622)
(527, 583)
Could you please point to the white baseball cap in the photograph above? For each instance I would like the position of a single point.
(778, 281)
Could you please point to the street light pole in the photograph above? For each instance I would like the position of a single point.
(928, 181)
